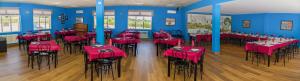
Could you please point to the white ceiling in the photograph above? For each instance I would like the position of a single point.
(90, 3)
(256, 6)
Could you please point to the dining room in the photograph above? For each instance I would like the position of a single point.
(149, 40)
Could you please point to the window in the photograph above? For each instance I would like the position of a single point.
(109, 19)
(79, 19)
(9, 20)
(42, 19)
(140, 20)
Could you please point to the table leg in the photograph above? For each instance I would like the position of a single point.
(157, 50)
(85, 64)
(70, 48)
(119, 67)
(195, 72)
(268, 61)
(92, 77)
(240, 42)
(169, 66)
(55, 59)
(247, 56)
(136, 49)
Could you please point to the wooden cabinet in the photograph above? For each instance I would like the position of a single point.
(3, 45)
(81, 29)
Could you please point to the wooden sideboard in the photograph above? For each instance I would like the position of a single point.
(81, 29)
(3, 45)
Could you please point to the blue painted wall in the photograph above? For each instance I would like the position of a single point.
(267, 23)
(158, 19)
(121, 15)
(26, 15)
(256, 26)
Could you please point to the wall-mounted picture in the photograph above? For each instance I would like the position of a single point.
(202, 23)
(170, 21)
(246, 23)
(286, 25)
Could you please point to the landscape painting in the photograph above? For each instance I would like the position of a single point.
(202, 23)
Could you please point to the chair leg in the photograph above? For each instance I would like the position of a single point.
(32, 60)
(48, 61)
(39, 61)
(28, 62)
(257, 59)
(175, 67)
(101, 72)
(112, 71)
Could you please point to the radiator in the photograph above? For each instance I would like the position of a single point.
(144, 34)
(10, 38)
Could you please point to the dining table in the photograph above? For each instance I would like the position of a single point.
(130, 34)
(241, 37)
(157, 35)
(33, 36)
(92, 54)
(126, 42)
(193, 54)
(65, 32)
(171, 41)
(268, 47)
(69, 40)
(45, 45)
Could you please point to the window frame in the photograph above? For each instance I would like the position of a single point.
(140, 13)
(107, 14)
(10, 12)
(44, 14)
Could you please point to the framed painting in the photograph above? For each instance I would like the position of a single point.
(286, 25)
(246, 23)
(170, 21)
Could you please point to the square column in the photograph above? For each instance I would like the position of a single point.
(216, 24)
(100, 22)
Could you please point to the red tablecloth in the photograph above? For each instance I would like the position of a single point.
(192, 56)
(34, 36)
(74, 38)
(126, 40)
(161, 35)
(93, 52)
(91, 34)
(128, 34)
(208, 37)
(38, 46)
(65, 32)
(204, 37)
(168, 41)
(267, 49)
